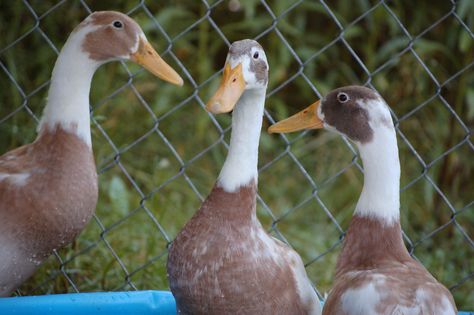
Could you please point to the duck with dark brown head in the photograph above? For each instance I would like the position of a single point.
(375, 273)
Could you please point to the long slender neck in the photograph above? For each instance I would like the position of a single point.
(380, 197)
(374, 237)
(240, 167)
(68, 98)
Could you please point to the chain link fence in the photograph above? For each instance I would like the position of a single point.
(158, 152)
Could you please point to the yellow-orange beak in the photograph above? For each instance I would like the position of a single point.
(148, 58)
(227, 95)
(306, 119)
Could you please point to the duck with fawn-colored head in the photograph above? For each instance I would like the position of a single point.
(374, 273)
(48, 189)
(223, 261)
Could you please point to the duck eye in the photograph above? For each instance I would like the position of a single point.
(255, 55)
(117, 24)
(342, 97)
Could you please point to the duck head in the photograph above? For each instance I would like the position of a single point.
(246, 68)
(108, 35)
(354, 111)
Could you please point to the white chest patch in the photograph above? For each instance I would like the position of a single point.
(361, 301)
(425, 298)
(376, 298)
(18, 179)
(303, 284)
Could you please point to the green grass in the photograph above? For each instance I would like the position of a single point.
(144, 188)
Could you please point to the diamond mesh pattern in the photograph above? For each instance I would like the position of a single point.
(158, 152)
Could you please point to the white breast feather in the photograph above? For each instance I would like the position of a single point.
(17, 179)
(305, 290)
(363, 300)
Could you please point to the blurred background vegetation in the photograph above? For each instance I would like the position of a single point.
(158, 152)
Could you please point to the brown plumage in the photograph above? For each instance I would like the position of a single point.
(221, 262)
(374, 253)
(49, 210)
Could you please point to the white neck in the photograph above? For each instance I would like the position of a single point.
(380, 197)
(240, 167)
(68, 97)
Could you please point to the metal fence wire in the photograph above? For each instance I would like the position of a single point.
(158, 152)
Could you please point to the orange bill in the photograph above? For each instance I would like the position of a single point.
(148, 58)
(227, 95)
(306, 119)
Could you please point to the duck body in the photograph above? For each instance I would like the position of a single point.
(48, 189)
(375, 275)
(46, 199)
(223, 261)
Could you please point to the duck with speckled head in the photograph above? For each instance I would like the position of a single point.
(223, 261)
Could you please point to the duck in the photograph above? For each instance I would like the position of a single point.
(48, 188)
(374, 274)
(223, 261)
